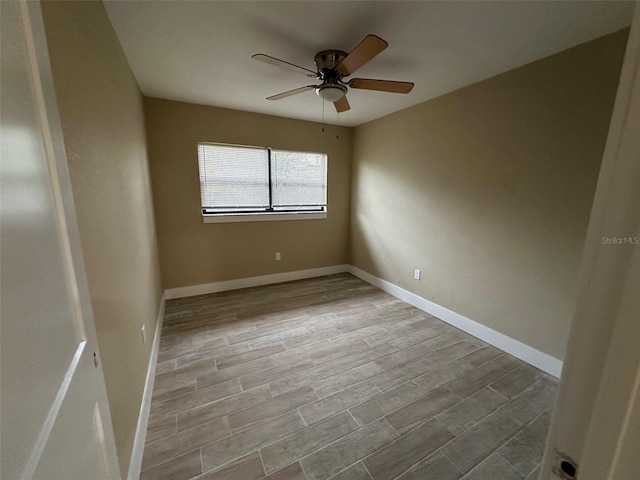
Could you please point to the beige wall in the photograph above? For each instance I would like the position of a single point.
(488, 191)
(103, 124)
(193, 253)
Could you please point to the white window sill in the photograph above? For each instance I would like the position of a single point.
(262, 217)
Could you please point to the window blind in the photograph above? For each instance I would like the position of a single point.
(233, 177)
(247, 180)
(298, 179)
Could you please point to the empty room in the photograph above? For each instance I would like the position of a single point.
(320, 240)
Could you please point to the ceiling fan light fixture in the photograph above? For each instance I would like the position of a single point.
(331, 93)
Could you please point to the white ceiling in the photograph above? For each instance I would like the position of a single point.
(200, 51)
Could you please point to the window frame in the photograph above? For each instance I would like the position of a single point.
(268, 214)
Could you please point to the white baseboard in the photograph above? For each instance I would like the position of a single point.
(252, 281)
(532, 356)
(135, 465)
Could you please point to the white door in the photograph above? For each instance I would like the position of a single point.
(55, 421)
(595, 432)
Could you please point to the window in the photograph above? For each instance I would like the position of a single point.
(242, 183)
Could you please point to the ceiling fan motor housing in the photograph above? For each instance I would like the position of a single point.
(327, 61)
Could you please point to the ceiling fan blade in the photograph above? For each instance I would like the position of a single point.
(381, 85)
(281, 63)
(368, 48)
(288, 93)
(342, 105)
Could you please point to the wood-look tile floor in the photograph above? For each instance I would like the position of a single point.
(331, 378)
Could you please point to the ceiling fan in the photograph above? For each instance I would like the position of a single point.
(333, 66)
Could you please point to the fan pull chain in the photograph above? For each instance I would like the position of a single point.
(322, 115)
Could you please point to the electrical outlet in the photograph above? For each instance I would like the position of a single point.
(143, 332)
(416, 274)
(278, 257)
